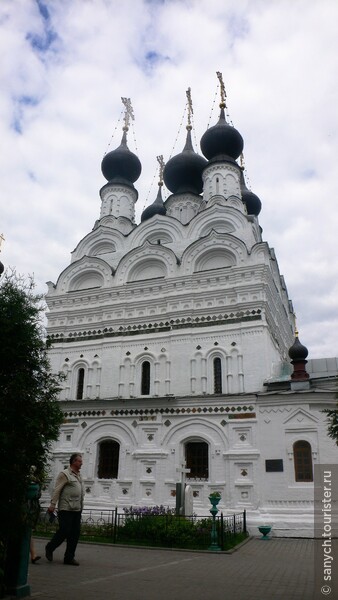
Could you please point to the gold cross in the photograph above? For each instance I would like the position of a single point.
(2, 239)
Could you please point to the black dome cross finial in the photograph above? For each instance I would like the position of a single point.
(298, 354)
(183, 172)
(161, 169)
(121, 165)
(222, 141)
(128, 113)
(157, 207)
(222, 86)
(251, 201)
(190, 108)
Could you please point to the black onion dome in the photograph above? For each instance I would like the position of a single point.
(298, 351)
(183, 172)
(156, 208)
(252, 202)
(121, 164)
(2, 268)
(222, 140)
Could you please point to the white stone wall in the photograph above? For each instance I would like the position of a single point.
(179, 291)
(241, 434)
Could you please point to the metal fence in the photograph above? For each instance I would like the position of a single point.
(166, 529)
(93, 522)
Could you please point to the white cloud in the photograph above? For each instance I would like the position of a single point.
(65, 67)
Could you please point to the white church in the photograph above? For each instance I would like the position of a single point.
(177, 338)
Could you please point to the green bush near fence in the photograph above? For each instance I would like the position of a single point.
(174, 533)
(152, 526)
(160, 531)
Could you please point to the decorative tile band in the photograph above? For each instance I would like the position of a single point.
(243, 416)
(233, 412)
(238, 317)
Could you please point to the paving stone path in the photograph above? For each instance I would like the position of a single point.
(258, 570)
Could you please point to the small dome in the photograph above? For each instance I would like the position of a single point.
(222, 140)
(298, 351)
(156, 208)
(2, 268)
(252, 202)
(183, 172)
(121, 165)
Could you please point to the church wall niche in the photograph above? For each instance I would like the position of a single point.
(102, 239)
(86, 280)
(244, 482)
(231, 187)
(94, 380)
(242, 470)
(65, 393)
(241, 437)
(102, 247)
(153, 260)
(235, 202)
(157, 228)
(160, 238)
(218, 225)
(147, 490)
(67, 436)
(230, 250)
(215, 218)
(214, 258)
(85, 273)
(150, 268)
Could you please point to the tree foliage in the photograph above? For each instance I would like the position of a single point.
(332, 429)
(29, 411)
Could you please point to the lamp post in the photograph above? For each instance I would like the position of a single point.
(214, 500)
(16, 568)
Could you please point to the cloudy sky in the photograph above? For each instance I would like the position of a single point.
(65, 65)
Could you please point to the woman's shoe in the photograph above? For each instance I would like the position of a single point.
(35, 560)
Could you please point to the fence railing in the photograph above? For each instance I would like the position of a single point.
(167, 529)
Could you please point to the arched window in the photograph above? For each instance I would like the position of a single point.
(302, 456)
(108, 464)
(80, 383)
(197, 460)
(217, 375)
(145, 378)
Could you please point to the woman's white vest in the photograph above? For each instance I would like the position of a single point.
(72, 493)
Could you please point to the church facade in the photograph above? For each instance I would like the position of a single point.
(176, 336)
